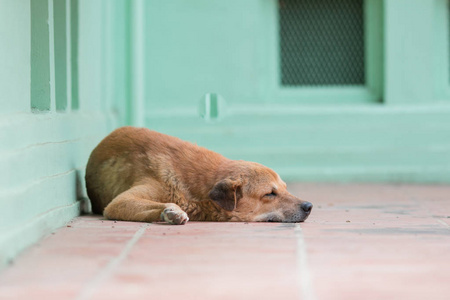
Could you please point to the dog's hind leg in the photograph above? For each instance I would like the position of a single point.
(138, 204)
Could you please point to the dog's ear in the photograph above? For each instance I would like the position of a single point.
(227, 193)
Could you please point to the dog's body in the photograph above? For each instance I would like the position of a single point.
(136, 174)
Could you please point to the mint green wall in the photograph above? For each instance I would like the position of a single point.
(15, 64)
(43, 153)
(394, 128)
(201, 46)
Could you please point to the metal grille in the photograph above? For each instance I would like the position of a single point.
(321, 42)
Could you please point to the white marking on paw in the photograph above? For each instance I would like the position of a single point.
(174, 216)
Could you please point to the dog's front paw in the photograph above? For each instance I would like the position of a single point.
(175, 216)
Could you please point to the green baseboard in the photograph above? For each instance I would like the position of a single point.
(28, 233)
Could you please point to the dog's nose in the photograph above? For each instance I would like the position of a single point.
(306, 206)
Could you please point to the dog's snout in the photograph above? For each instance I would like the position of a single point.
(306, 206)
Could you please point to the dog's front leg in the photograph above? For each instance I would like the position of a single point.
(138, 204)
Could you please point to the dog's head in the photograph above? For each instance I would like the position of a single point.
(254, 193)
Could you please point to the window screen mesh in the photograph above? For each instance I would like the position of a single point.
(321, 42)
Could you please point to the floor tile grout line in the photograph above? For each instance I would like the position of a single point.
(303, 272)
(88, 291)
(443, 223)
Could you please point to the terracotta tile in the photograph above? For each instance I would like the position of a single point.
(362, 241)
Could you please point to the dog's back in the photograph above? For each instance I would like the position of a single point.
(110, 167)
(129, 155)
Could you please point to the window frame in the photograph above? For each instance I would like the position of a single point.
(371, 92)
(441, 60)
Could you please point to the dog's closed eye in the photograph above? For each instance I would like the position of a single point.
(273, 194)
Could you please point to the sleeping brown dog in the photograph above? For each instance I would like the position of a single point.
(136, 174)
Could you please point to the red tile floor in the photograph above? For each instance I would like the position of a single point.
(362, 241)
